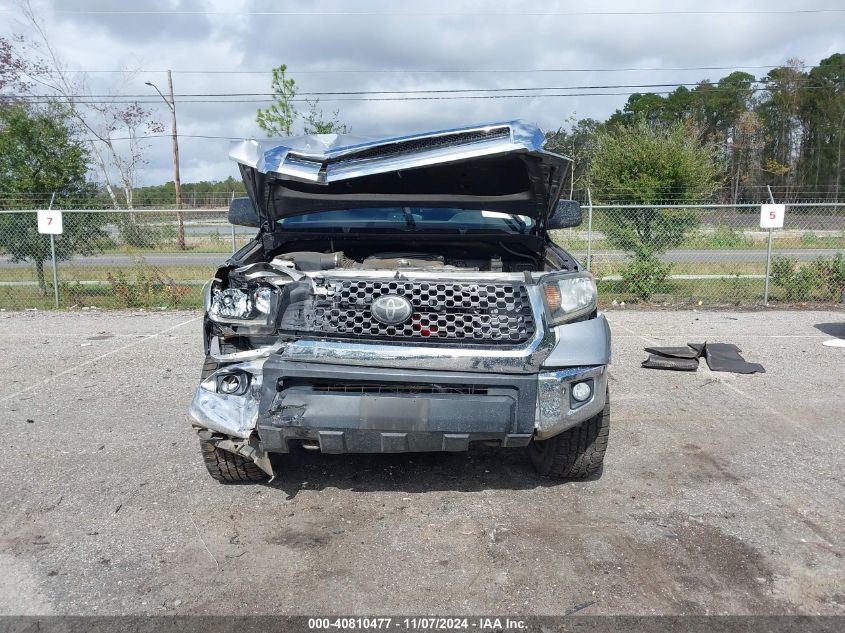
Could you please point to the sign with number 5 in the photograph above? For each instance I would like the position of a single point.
(50, 222)
(771, 216)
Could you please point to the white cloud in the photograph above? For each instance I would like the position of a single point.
(419, 42)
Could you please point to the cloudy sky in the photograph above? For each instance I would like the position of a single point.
(383, 45)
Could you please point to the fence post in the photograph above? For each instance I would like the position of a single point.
(234, 245)
(589, 229)
(53, 255)
(768, 256)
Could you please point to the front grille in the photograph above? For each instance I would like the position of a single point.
(443, 312)
(397, 388)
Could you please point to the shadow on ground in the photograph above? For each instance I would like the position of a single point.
(832, 329)
(481, 468)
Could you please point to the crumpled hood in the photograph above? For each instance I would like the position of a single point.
(495, 166)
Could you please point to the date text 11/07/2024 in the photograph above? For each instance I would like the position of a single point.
(481, 624)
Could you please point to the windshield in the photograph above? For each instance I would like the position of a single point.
(410, 218)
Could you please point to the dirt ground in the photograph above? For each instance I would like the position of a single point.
(721, 493)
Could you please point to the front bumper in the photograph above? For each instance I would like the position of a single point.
(369, 410)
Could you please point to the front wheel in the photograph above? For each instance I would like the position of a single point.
(229, 468)
(574, 454)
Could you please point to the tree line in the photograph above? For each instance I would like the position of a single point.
(783, 130)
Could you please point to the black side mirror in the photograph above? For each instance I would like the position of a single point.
(567, 213)
(242, 213)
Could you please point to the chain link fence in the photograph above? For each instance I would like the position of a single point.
(114, 259)
(697, 254)
(711, 253)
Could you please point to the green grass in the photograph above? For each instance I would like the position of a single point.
(730, 291)
(70, 272)
(718, 239)
(604, 268)
(100, 296)
(203, 243)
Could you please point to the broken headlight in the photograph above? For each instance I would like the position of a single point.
(234, 305)
(569, 297)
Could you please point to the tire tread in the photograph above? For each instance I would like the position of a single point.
(577, 453)
(227, 467)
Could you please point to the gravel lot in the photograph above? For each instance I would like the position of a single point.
(721, 493)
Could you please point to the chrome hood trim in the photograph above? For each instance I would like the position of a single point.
(326, 158)
(495, 167)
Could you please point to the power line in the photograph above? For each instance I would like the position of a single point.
(83, 101)
(373, 92)
(133, 12)
(367, 95)
(188, 96)
(410, 71)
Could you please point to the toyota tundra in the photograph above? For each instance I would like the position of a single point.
(403, 294)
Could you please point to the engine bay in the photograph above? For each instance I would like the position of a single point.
(308, 261)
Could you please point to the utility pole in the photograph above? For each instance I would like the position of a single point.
(171, 103)
(176, 180)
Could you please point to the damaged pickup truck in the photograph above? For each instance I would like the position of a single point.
(403, 294)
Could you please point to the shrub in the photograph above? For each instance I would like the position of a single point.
(809, 239)
(150, 288)
(797, 283)
(727, 237)
(646, 276)
(644, 164)
(140, 235)
(830, 274)
(167, 234)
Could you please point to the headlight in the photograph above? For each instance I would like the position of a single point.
(569, 297)
(233, 305)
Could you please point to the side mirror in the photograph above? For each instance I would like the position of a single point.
(242, 213)
(567, 213)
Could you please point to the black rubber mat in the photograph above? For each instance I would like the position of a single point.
(719, 357)
(726, 357)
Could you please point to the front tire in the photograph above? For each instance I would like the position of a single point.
(229, 468)
(574, 454)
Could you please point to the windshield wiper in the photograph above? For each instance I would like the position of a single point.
(409, 217)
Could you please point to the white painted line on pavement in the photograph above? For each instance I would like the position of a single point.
(94, 360)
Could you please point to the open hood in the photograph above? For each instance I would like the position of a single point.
(497, 167)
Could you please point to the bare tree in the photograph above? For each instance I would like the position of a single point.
(116, 129)
(747, 145)
(12, 70)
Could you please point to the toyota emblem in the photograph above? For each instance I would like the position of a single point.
(391, 309)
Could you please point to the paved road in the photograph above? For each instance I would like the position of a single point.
(679, 256)
(721, 493)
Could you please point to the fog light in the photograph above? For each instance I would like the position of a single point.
(582, 391)
(232, 384)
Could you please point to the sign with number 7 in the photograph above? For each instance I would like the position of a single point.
(771, 216)
(50, 222)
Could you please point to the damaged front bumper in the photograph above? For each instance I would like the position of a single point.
(346, 409)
